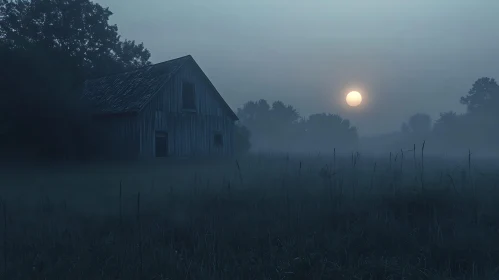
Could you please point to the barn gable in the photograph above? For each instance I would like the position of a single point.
(167, 109)
(129, 92)
(208, 99)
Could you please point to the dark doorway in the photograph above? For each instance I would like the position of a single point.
(161, 141)
(218, 140)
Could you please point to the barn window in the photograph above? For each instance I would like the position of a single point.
(218, 140)
(188, 96)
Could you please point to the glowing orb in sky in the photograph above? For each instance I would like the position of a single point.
(354, 99)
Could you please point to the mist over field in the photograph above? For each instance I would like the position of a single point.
(215, 140)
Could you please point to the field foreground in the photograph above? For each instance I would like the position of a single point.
(255, 218)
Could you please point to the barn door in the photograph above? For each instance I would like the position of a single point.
(161, 144)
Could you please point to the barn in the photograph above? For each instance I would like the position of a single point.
(169, 109)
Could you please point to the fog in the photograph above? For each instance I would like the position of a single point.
(406, 57)
(107, 179)
(425, 69)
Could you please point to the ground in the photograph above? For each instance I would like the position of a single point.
(258, 217)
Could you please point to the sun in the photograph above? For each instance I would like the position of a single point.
(354, 98)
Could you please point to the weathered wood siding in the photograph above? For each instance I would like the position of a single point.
(118, 136)
(189, 133)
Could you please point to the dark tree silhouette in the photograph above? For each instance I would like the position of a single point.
(47, 49)
(283, 119)
(255, 116)
(272, 127)
(284, 114)
(415, 130)
(41, 113)
(447, 123)
(254, 111)
(281, 128)
(420, 124)
(477, 128)
(447, 132)
(326, 132)
(77, 28)
(483, 96)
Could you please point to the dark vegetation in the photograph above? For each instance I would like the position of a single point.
(259, 218)
(452, 134)
(47, 50)
(406, 215)
(280, 128)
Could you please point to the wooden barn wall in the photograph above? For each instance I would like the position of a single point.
(189, 133)
(118, 137)
(207, 102)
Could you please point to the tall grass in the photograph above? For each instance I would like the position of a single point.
(262, 217)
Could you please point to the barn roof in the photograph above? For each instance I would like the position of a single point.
(130, 92)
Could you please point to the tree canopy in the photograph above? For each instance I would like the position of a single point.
(279, 127)
(47, 49)
(78, 29)
(420, 124)
(477, 129)
(482, 97)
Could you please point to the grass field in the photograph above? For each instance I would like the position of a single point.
(260, 217)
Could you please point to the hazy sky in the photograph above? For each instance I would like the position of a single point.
(404, 56)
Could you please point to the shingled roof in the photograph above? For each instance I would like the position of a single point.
(130, 92)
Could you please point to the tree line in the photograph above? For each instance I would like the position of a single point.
(279, 127)
(476, 130)
(49, 47)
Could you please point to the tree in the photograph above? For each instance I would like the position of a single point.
(284, 114)
(272, 127)
(254, 115)
(78, 28)
(420, 124)
(447, 129)
(483, 96)
(477, 128)
(328, 131)
(47, 49)
(280, 128)
(447, 122)
(41, 113)
(283, 120)
(254, 111)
